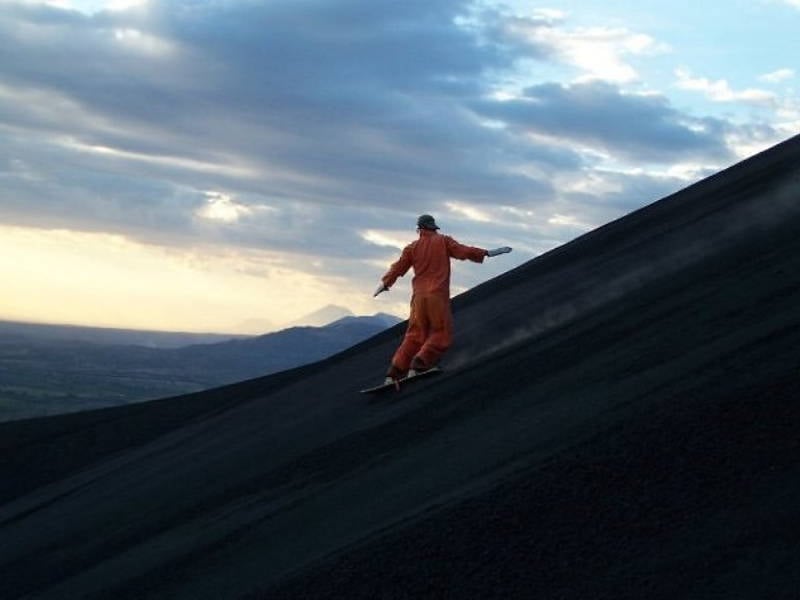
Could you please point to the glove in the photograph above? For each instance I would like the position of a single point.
(379, 289)
(496, 251)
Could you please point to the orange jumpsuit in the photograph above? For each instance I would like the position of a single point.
(430, 325)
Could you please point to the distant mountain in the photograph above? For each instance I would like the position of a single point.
(324, 316)
(236, 360)
(252, 326)
(377, 319)
(43, 371)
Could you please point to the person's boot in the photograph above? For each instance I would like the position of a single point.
(417, 367)
(393, 375)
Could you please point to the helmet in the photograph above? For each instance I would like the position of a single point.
(426, 222)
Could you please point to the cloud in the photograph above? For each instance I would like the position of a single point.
(90, 6)
(778, 76)
(309, 105)
(469, 212)
(598, 53)
(311, 109)
(221, 207)
(268, 84)
(720, 90)
(639, 127)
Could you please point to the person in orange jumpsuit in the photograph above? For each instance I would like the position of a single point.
(430, 324)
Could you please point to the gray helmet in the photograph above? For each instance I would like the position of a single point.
(427, 222)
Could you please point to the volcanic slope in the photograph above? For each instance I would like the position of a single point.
(619, 419)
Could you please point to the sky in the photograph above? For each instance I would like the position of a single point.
(230, 166)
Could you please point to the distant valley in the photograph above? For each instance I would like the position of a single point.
(48, 369)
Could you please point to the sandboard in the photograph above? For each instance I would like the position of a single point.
(401, 382)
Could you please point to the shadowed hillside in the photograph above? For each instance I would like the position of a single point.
(43, 372)
(618, 419)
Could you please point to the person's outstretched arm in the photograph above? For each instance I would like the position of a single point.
(463, 252)
(398, 269)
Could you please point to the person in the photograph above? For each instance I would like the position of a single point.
(430, 323)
